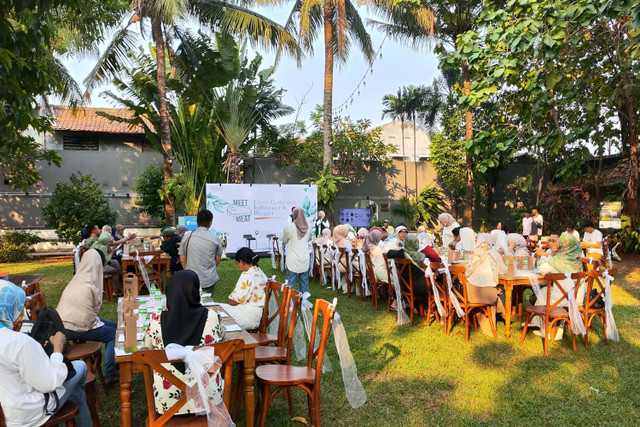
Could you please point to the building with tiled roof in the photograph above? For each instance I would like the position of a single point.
(85, 119)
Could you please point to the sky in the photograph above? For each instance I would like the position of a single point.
(399, 66)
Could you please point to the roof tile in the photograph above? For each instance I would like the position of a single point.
(85, 119)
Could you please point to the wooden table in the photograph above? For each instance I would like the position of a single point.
(245, 355)
(164, 260)
(509, 282)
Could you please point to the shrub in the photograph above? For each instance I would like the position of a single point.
(75, 205)
(18, 238)
(14, 245)
(148, 187)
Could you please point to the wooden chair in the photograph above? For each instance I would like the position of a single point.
(149, 361)
(327, 264)
(357, 275)
(594, 281)
(405, 275)
(304, 377)
(273, 290)
(317, 262)
(443, 289)
(375, 285)
(344, 263)
(91, 354)
(589, 264)
(92, 398)
(458, 272)
(276, 252)
(551, 313)
(66, 414)
(107, 285)
(153, 268)
(31, 282)
(33, 303)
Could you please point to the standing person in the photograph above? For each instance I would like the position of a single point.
(592, 240)
(538, 223)
(246, 302)
(28, 373)
(388, 228)
(170, 244)
(79, 306)
(201, 251)
(448, 223)
(296, 236)
(526, 224)
(320, 224)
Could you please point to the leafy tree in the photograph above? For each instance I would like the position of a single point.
(148, 188)
(329, 185)
(396, 107)
(406, 209)
(429, 204)
(75, 205)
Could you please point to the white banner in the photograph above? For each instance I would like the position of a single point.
(244, 212)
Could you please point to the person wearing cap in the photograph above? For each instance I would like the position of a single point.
(396, 243)
(170, 244)
(592, 240)
(389, 228)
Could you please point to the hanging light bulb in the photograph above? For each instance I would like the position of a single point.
(358, 92)
(380, 55)
(364, 83)
(371, 70)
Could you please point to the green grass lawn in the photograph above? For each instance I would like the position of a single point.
(415, 375)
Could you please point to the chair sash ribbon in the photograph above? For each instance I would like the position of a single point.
(348, 250)
(335, 266)
(283, 250)
(577, 323)
(428, 272)
(322, 252)
(352, 386)
(535, 284)
(273, 257)
(143, 271)
(452, 295)
(311, 258)
(198, 363)
(403, 319)
(612, 330)
(76, 256)
(306, 315)
(362, 263)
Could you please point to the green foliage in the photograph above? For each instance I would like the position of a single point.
(14, 245)
(329, 185)
(148, 187)
(354, 142)
(406, 209)
(629, 236)
(429, 204)
(75, 205)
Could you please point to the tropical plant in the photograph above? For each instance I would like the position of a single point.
(395, 106)
(148, 189)
(75, 205)
(629, 236)
(406, 209)
(429, 204)
(329, 185)
(168, 21)
(342, 27)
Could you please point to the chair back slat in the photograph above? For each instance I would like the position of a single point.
(292, 312)
(597, 282)
(273, 290)
(152, 360)
(33, 303)
(328, 310)
(554, 279)
(405, 276)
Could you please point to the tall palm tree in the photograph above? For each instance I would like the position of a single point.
(342, 26)
(406, 22)
(168, 20)
(415, 98)
(395, 106)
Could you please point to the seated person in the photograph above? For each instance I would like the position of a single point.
(398, 242)
(464, 239)
(552, 249)
(28, 373)
(111, 266)
(592, 240)
(571, 229)
(500, 244)
(341, 240)
(185, 322)
(448, 224)
(79, 306)
(483, 268)
(517, 245)
(170, 244)
(246, 302)
(375, 253)
(410, 251)
(325, 237)
(92, 233)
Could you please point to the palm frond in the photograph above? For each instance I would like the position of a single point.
(358, 31)
(67, 89)
(406, 22)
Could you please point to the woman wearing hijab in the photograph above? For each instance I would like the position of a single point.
(448, 223)
(79, 306)
(483, 268)
(341, 240)
(111, 266)
(181, 229)
(466, 239)
(185, 322)
(517, 245)
(410, 251)
(296, 236)
(362, 233)
(246, 302)
(325, 237)
(500, 244)
(371, 244)
(28, 373)
(566, 260)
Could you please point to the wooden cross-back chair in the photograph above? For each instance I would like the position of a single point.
(31, 285)
(306, 377)
(552, 314)
(152, 266)
(276, 251)
(317, 262)
(375, 285)
(589, 312)
(459, 273)
(344, 263)
(33, 303)
(354, 260)
(443, 289)
(589, 264)
(405, 275)
(152, 360)
(273, 290)
(66, 414)
(327, 264)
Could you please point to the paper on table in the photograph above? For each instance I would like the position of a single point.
(232, 328)
(210, 303)
(139, 337)
(120, 351)
(223, 314)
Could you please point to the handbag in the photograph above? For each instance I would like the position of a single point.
(596, 303)
(50, 315)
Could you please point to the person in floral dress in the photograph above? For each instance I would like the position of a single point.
(184, 322)
(246, 302)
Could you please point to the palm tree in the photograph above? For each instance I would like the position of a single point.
(395, 106)
(168, 20)
(406, 21)
(342, 27)
(415, 98)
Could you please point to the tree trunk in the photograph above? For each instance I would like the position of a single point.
(468, 119)
(542, 172)
(631, 194)
(327, 158)
(415, 152)
(491, 188)
(165, 132)
(404, 157)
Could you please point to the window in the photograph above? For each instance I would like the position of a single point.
(80, 142)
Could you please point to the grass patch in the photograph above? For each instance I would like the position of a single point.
(418, 376)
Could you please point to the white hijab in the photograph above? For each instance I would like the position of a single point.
(484, 265)
(467, 239)
(500, 241)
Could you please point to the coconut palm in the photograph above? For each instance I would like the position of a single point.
(342, 27)
(407, 22)
(395, 106)
(168, 20)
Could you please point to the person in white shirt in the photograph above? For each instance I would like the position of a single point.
(571, 229)
(296, 236)
(526, 224)
(28, 373)
(538, 223)
(448, 223)
(398, 242)
(592, 240)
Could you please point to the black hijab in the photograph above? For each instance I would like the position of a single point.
(183, 321)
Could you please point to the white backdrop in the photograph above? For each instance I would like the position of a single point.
(257, 210)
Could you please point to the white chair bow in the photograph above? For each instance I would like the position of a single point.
(612, 330)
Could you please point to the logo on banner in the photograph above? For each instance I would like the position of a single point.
(240, 210)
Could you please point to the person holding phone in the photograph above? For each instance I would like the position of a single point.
(34, 386)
